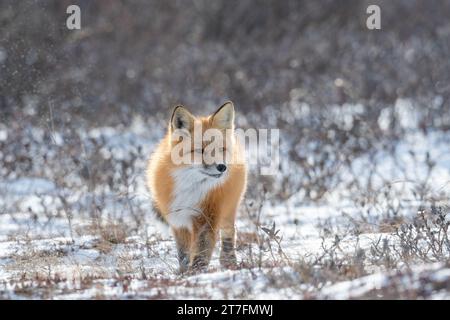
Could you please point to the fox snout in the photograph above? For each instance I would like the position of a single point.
(221, 167)
(214, 170)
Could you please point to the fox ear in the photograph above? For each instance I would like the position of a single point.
(224, 117)
(182, 119)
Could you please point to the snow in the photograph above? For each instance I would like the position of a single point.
(27, 185)
(36, 239)
(362, 287)
(351, 289)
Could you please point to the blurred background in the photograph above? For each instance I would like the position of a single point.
(364, 119)
(142, 57)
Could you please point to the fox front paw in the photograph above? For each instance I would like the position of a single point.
(228, 261)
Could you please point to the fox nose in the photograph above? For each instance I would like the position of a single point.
(221, 167)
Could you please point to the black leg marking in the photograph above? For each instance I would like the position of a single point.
(227, 244)
(227, 254)
(204, 250)
(183, 259)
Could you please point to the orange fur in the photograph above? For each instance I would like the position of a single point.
(218, 207)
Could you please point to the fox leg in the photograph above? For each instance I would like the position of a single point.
(203, 246)
(183, 239)
(227, 252)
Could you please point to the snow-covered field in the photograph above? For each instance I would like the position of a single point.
(76, 222)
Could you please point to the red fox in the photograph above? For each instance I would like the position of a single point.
(198, 199)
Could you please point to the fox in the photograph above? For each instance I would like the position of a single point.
(199, 199)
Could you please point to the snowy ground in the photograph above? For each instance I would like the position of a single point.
(78, 224)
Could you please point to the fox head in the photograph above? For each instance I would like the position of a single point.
(203, 145)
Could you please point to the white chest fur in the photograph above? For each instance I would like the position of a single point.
(190, 188)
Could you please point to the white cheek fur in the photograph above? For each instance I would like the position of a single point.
(190, 188)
